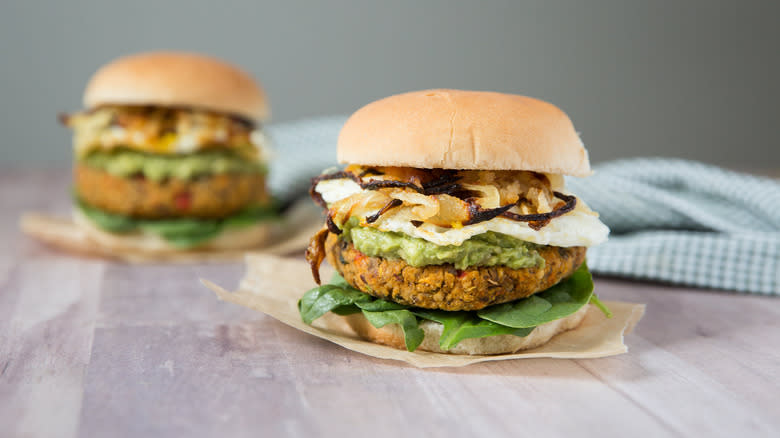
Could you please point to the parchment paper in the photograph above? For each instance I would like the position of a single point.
(285, 237)
(273, 285)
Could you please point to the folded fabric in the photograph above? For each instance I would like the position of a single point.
(674, 221)
(687, 223)
(301, 150)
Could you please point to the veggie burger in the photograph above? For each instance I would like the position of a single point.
(169, 155)
(451, 227)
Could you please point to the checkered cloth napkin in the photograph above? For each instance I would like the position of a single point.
(687, 223)
(674, 221)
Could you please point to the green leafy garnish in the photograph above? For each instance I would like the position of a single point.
(182, 233)
(557, 302)
(517, 318)
(251, 215)
(464, 325)
(603, 307)
(107, 221)
(413, 334)
(379, 305)
(191, 239)
(177, 226)
(342, 299)
(326, 298)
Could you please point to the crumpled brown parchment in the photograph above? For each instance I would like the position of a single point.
(283, 237)
(273, 285)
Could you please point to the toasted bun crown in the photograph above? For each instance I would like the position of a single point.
(177, 79)
(454, 129)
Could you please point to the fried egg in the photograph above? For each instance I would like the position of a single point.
(580, 227)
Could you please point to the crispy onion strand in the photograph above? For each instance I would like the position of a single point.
(479, 215)
(315, 253)
(392, 204)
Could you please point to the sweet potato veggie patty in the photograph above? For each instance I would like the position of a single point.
(445, 287)
(211, 196)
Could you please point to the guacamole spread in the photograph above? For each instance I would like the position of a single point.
(487, 249)
(157, 167)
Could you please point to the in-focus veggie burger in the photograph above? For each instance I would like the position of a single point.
(451, 228)
(170, 156)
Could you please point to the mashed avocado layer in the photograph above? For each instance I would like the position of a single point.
(157, 167)
(487, 249)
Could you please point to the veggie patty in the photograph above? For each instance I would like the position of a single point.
(214, 196)
(445, 287)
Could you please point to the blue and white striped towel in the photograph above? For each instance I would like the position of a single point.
(672, 220)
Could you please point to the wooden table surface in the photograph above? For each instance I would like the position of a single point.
(91, 348)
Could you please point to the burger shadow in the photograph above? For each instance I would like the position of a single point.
(613, 368)
(537, 368)
(544, 368)
(548, 368)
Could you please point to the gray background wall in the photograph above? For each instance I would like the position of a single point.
(695, 79)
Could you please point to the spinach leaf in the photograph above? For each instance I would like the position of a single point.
(182, 233)
(178, 227)
(191, 239)
(346, 310)
(338, 280)
(517, 318)
(464, 325)
(326, 298)
(380, 306)
(252, 215)
(413, 334)
(107, 221)
(557, 302)
(603, 307)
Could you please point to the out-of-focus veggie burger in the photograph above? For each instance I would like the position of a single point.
(451, 228)
(170, 156)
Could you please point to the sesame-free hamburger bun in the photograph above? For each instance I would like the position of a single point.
(454, 129)
(177, 79)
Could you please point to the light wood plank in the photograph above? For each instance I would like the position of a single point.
(97, 349)
(165, 294)
(200, 379)
(731, 339)
(189, 379)
(45, 346)
(539, 396)
(674, 391)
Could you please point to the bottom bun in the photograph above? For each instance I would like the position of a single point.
(393, 336)
(231, 239)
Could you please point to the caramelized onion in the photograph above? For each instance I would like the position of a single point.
(570, 203)
(392, 204)
(332, 227)
(370, 171)
(388, 184)
(477, 215)
(315, 253)
(445, 182)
